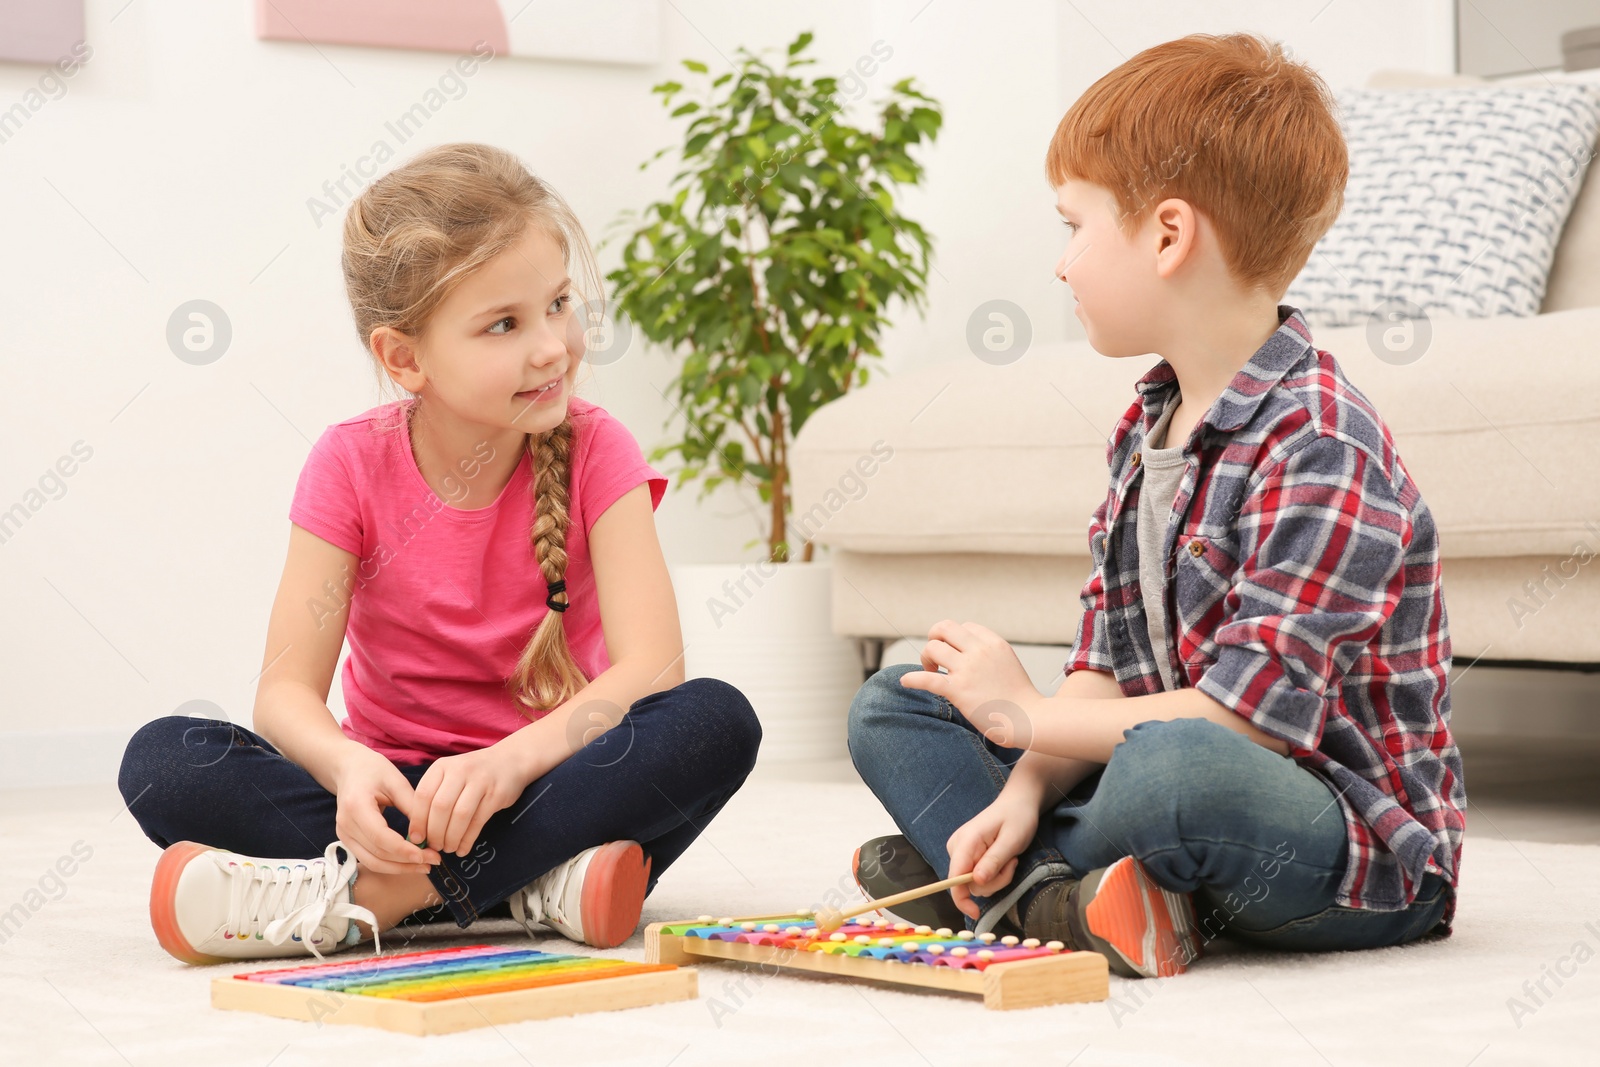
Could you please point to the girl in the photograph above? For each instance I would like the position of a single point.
(480, 769)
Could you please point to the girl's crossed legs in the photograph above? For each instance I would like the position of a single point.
(658, 777)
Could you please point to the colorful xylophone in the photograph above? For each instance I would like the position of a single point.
(1007, 972)
(440, 991)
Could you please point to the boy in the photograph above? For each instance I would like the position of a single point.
(1252, 736)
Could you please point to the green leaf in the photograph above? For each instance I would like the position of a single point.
(776, 259)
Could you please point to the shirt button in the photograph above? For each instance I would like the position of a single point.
(1196, 548)
(1136, 459)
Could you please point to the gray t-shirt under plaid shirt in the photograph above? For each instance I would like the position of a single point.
(1163, 469)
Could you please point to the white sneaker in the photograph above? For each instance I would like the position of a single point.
(595, 897)
(209, 905)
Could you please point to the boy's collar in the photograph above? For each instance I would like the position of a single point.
(1244, 394)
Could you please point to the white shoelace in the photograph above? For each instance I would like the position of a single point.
(548, 892)
(308, 889)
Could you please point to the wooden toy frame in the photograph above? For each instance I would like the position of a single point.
(1069, 977)
(245, 991)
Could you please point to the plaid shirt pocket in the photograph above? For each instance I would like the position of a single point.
(1203, 574)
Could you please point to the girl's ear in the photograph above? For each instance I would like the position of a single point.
(398, 353)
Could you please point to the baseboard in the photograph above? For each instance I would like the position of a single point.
(1495, 701)
(57, 758)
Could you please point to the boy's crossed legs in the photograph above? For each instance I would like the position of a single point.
(1258, 840)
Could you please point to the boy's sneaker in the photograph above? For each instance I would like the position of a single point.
(209, 905)
(1119, 911)
(595, 897)
(889, 865)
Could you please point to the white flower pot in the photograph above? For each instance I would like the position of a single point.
(766, 629)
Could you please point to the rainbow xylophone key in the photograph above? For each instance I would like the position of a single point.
(442, 974)
(443, 990)
(880, 939)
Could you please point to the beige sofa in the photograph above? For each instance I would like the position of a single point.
(981, 512)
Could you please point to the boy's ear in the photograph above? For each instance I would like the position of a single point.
(1175, 229)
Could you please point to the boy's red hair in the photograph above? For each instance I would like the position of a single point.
(1228, 123)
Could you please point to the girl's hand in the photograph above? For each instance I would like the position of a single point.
(457, 794)
(988, 845)
(368, 783)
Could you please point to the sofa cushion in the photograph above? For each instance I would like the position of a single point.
(1034, 599)
(1495, 419)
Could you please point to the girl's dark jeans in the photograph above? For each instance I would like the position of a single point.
(658, 777)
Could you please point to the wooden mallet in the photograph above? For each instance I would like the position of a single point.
(830, 919)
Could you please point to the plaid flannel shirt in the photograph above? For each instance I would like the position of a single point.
(1303, 592)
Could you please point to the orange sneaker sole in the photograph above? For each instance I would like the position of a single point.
(1151, 927)
(164, 897)
(613, 893)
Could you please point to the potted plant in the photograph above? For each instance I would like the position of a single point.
(771, 273)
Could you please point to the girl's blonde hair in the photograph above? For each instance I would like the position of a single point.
(410, 238)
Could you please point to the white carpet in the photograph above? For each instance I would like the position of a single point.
(83, 981)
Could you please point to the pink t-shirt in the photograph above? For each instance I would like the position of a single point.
(443, 600)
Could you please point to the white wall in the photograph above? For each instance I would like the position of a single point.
(178, 164)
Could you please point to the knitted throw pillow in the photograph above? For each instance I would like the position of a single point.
(1455, 201)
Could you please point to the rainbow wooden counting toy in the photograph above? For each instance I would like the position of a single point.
(444, 990)
(1007, 973)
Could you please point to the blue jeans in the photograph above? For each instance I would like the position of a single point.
(1256, 838)
(658, 777)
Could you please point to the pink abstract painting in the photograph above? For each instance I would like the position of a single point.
(39, 31)
(605, 31)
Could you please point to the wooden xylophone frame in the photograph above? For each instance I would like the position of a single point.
(629, 990)
(1066, 978)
